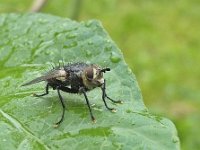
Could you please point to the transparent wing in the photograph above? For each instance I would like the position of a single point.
(50, 75)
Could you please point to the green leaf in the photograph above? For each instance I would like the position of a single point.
(29, 43)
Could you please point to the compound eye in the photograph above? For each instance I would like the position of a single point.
(89, 73)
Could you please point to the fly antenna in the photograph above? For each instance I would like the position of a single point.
(105, 69)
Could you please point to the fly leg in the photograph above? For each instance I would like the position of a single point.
(88, 104)
(63, 108)
(103, 98)
(104, 95)
(47, 92)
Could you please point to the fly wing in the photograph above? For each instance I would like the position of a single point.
(50, 75)
(37, 80)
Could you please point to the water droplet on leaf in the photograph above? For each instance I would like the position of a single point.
(175, 139)
(115, 58)
(42, 20)
(88, 53)
(88, 23)
(90, 43)
(158, 118)
(129, 71)
(71, 36)
(4, 140)
(133, 123)
(128, 111)
(73, 44)
(108, 48)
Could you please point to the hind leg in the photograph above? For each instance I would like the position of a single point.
(47, 92)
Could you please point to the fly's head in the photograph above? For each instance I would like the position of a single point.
(93, 76)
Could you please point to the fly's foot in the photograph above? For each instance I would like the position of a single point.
(35, 95)
(93, 119)
(119, 102)
(113, 110)
(55, 125)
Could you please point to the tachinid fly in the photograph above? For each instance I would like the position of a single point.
(75, 78)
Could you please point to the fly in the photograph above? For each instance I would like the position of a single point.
(75, 78)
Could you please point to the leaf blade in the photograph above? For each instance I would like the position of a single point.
(39, 39)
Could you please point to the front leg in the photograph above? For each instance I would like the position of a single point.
(103, 98)
(104, 95)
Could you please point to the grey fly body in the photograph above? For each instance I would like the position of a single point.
(75, 78)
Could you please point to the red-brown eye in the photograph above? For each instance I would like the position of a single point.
(89, 73)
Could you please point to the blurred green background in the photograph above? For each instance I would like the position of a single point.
(160, 40)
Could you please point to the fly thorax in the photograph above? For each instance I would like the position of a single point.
(61, 75)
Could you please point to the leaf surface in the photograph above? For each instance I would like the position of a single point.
(29, 44)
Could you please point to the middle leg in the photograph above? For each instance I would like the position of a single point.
(88, 104)
(63, 108)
